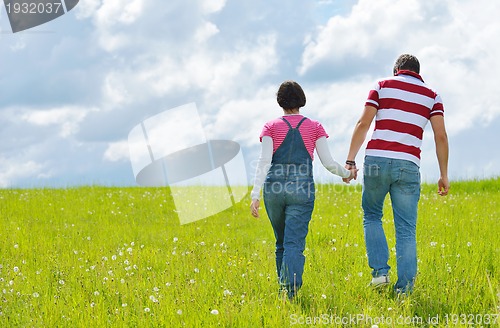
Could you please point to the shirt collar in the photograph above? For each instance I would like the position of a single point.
(411, 73)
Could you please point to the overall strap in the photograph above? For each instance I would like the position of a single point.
(298, 125)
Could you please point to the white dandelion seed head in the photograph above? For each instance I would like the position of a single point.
(92, 304)
(179, 312)
(196, 270)
(469, 244)
(113, 257)
(147, 309)
(175, 239)
(16, 269)
(156, 289)
(214, 312)
(61, 282)
(124, 305)
(16, 246)
(227, 292)
(96, 293)
(323, 296)
(36, 295)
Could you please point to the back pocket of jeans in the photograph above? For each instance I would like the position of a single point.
(409, 181)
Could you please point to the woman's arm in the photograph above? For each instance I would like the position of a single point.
(328, 162)
(263, 165)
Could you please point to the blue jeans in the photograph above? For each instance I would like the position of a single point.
(401, 180)
(289, 204)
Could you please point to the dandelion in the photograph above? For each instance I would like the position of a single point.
(175, 239)
(147, 309)
(196, 270)
(323, 296)
(113, 257)
(16, 246)
(214, 312)
(16, 269)
(132, 244)
(153, 299)
(126, 262)
(61, 282)
(227, 292)
(202, 243)
(124, 305)
(96, 293)
(469, 244)
(433, 244)
(179, 312)
(168, 284)
(129, 249)
(92, 304)
(36, 295)
(192, 281)
(156, 289)
(122, 281)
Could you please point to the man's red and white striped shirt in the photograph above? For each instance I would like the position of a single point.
(404, 105)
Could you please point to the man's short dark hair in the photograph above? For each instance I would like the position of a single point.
(407, 62)
(290, 95)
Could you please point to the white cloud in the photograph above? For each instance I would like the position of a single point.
(212, 6)
(66, 118)
(12, 169)
(117, 151)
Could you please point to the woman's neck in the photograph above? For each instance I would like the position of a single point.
(293, 111)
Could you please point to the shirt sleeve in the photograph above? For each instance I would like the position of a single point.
(438, 108)
(328, 162)
(263, 165)
(373, 97)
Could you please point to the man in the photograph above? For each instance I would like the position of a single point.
(401, 105)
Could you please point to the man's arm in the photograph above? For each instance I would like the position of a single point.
(441, 140)
(360, 131)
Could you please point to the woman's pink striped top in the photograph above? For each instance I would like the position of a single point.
(310, 131)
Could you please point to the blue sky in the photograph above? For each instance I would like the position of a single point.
(72, 89)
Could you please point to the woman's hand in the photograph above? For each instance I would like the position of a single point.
(254, 207)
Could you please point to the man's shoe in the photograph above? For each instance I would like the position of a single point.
(380, 281)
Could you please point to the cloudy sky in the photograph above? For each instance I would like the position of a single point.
(73, 88)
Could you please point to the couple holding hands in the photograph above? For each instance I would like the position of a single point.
(401, 105)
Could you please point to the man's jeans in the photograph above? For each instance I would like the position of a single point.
(401, 179)
(289, 203)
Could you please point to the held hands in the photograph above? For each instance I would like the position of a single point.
(351, 166)
(254, 208)
(443, 186)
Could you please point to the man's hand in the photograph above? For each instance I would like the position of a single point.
(443, 186)
(254, 208)
(354, 173)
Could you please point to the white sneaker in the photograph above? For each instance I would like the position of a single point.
(380, 281)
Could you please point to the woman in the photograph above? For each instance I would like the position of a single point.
(285, 163)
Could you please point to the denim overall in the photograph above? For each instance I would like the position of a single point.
(289, 199)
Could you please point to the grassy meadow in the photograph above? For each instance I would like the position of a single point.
(118, 257)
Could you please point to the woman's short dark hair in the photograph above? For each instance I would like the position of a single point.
(290, 95)
(407, 62)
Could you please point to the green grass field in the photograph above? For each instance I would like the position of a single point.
(118, 257)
